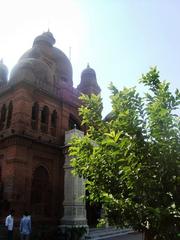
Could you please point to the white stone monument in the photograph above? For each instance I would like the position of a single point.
(74, 191)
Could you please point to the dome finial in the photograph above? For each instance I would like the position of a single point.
(88, 65)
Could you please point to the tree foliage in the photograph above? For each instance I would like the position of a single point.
(131, 159)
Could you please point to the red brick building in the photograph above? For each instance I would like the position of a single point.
(37, 105)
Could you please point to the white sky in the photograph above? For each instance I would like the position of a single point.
(120, 39)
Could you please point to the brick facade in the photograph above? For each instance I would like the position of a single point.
(37, 106)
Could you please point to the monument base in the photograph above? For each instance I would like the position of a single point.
(73, 231)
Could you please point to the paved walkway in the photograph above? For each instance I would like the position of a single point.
(131, 236)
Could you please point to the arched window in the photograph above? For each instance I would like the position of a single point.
(41, 192)
(54, 119)
(53, 122)
(34, 116)
(73, 122)
(3, 116)
(9, 116)
(44, 119)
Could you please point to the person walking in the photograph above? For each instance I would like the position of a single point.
(25, 226)
(9, 223)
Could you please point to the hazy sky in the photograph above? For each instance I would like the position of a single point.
(120, 39)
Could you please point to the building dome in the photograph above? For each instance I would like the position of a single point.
(46, 38)
(31, 70)
(88, 84)
(3, 73)
(88, 74)
(57, 65)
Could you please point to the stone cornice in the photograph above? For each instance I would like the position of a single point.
(28, 142)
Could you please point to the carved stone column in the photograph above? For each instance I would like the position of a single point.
(74, 190)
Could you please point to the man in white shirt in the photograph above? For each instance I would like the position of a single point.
(9, 223)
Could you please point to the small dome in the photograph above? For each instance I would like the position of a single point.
(88, 83)
(46, 37)
(88, 74)
(3, 72)
(31, 70)
(59, 69)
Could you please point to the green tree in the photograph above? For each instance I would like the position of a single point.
(131, 159)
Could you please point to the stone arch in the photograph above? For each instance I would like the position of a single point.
(44, 119)
(35, 116)
(54, 119)
(3, 116)
(41, 192)
(53, 122)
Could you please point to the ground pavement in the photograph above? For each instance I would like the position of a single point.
(130, 236)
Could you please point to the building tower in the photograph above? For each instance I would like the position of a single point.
(88, 84)
(37, 106)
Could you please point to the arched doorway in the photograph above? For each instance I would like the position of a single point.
(41, 192)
